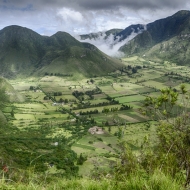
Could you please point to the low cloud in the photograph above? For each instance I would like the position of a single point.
(108, 44)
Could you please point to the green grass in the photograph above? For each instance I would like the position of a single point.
(25, 116)
(154, 84)
(40, 116)
(84, 146)
(134, 98)
(136, 181)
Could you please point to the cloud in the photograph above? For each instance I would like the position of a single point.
(90, 5)
(102, 5)
(132, 4)
(108, 44)
(69, 15)
(84, 16)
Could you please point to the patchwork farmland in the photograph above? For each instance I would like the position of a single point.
(59, 107)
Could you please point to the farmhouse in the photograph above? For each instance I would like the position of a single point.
(96, 130)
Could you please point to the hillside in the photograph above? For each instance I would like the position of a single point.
(8, 93)
(164, 39)
(23, 52)
(127, 32)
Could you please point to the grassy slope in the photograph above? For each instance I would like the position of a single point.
(176, 50)
(86, 61)
(164, 39)
(11, 94)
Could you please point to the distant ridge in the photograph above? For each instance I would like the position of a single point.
(105, 34)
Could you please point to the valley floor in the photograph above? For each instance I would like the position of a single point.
(57, 108)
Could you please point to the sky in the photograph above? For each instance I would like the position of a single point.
(46, 17)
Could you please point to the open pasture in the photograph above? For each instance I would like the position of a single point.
(31, 106)
(99, 96)
(34, 95)
(69, 97)
(95, 146)
(154, 84)
(22, 86)
(52, 89)
(133, 98)
(24, 116)
(97, 101)
(134, 60)
(144, 90)
(99, 108)
(135, 133)
(131, 116)
(108, 89)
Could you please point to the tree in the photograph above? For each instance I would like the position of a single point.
(12, 113)
(46, 97)
(61, 100)
(92, 81)
(109, 129)
(134, 70)
(81, 159)
(31, 88)
(173, 151)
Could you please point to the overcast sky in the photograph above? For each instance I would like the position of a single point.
(84, 16)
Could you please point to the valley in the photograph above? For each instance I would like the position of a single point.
(59, 109)
(101, 110)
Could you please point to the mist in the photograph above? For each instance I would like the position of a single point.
(108, 44)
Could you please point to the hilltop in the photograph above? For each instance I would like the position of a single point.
(24, 52)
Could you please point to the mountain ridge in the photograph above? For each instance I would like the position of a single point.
(104, 34)
(163, 31)
(25, 52)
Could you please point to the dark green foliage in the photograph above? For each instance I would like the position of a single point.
(25, 152)
(172, 152)
(93, 92)
(81, 159)
(46, 97)
(3, 98)
(31, 88)
(57, 93)
(126, 107)
(12, 113)
(89, 112)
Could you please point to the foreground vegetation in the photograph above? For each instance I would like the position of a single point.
(46, 143)
(136, 181)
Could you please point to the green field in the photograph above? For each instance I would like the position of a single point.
(126, 99)
(73, 118)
